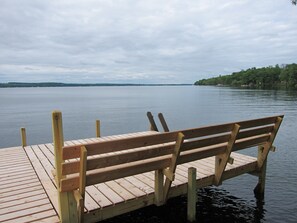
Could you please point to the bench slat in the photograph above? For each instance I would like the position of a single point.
(258, 122)
(250, 142)
(218, 129)
(115, 172)
(188, 145)
(70, 152)
(208, 130)
(254, 132)
(213, 140)
(201, 153)
(117, 159)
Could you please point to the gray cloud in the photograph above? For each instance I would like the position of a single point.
(142, 41)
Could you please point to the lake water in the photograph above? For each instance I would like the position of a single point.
(123, 110)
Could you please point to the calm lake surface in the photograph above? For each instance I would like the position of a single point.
(123, 110)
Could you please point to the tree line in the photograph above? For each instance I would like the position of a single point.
(278, 76)
(54, 84)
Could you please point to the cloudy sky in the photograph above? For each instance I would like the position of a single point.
(153, 41)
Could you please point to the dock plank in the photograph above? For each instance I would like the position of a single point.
(140, 185)
(110, 194)
(15, 170)
(23, 206)
(22, 196)
(22, 201)
(19, 197)
(130, 187)
(42, 175)
(146, 180)
(21, 191)
(21, 173)
(121, 191)
(98, 197)
(27, 213)
(45, 217)
(18, 183)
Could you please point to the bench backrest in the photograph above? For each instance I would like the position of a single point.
(109, 160)
(213, 140)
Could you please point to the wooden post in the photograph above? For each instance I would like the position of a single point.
(24, 137)
(67, 202)
(192, 197)
(153, 126)
(82, 182)
(98, 133)
(163, 122)
(159, 192)
(260, 188)
(58, 140)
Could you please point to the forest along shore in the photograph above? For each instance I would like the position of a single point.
(277, 77)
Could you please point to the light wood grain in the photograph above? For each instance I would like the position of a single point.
(22, 196)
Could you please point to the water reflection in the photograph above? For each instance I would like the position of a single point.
(213, 205)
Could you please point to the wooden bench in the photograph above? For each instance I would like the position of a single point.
(92, 163)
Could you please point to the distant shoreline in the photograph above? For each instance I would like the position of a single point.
(53, 84)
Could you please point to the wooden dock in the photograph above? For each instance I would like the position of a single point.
(28, 191)
(93, 179)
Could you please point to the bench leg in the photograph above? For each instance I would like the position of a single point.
(260, 188)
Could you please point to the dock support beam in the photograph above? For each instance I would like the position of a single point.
(24, 137)
(159, 190)
(192, 196)
(67, 202)
(98, 133)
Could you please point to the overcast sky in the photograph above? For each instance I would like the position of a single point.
(131, 41)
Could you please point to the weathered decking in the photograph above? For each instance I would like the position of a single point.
(28, 192)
